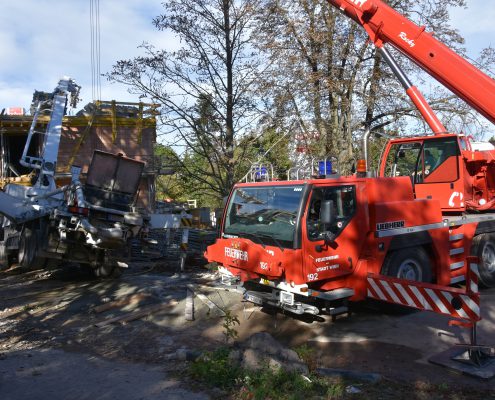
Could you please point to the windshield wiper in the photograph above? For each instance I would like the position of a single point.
(277, 242)
(252, 235)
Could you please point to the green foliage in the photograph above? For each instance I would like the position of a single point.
(166, 153)
(308, 355)
(281, 384)
(215, 369)
(269, 148)
(335, 391)
(168, 186)
(229, 323)
(376, 147)
(181, 185)
(218, 369)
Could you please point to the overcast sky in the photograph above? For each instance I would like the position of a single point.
(42, 40)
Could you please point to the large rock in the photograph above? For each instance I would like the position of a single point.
(262, 350)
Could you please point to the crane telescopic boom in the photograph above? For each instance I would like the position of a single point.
(385, 25)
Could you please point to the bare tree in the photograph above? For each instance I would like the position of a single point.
(205, 88)
(332, 79)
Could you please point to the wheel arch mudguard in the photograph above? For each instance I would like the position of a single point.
(410, 240)
(485, 227)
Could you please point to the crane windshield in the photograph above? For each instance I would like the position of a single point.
(264, 214)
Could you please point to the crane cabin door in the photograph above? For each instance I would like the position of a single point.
(432, 163)
(330, 249)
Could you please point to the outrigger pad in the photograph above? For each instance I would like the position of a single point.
(457, 358)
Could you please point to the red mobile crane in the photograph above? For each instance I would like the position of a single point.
(307, 244)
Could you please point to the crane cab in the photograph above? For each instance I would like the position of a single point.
(445, 168)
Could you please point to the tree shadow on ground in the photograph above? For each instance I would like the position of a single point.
(55, 309)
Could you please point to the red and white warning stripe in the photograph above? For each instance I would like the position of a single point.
(453, 302)
(473, 277)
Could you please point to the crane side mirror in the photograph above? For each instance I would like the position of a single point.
(327, 214)
(327, 218)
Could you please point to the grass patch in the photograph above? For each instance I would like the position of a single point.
(308, 355)
(216, 369)
(278, 385)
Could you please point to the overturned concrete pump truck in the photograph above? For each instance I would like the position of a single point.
(312, 245)
(88, 223)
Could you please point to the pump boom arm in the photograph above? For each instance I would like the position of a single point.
(46, 162)
(385, 25)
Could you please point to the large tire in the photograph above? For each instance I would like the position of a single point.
(29, 245)
(411, 263)
(5, 257)
(484, 248)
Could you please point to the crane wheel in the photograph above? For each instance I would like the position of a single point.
(410, 263)
(28, 249)
(484, 247)
(5, 257)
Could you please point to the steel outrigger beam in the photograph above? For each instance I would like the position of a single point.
(461, 304)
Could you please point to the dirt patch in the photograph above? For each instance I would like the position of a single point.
(56, 310)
